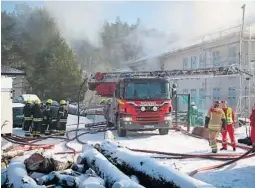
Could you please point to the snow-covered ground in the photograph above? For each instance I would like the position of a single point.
(238, 175)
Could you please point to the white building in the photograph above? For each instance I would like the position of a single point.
(18, 79)
(217, 50)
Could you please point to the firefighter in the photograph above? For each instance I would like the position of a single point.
(62, 117)
(48, 117)
(230, 119)
(252, 124)
(28, 117)
(37, 118)
(193, 114)
(102, 101)
(215, 122)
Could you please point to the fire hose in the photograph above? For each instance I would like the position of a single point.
(220, 165)
(220, 141)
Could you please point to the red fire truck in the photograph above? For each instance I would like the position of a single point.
(140, 100)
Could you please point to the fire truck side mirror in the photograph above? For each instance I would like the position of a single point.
(174, 90)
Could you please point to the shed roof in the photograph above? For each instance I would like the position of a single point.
(7, 70)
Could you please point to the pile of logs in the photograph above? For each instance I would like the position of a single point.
(104, 165)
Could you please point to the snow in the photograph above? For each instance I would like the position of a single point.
(151, 167)
(110, 173)
(33, 97)
(238, 175)
(17, 105)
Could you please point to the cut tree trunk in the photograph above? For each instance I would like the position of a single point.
(149, 172)
(18, 177)
(112, 175)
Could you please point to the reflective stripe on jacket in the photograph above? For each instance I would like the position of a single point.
(229, 118)
(28, 118)
(216, 115)
(37, 119)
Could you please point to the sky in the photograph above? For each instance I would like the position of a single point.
(127, 11)
(187, 21)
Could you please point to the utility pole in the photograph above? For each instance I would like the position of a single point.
(241, 80)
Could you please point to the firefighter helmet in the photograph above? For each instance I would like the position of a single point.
(224, 102)
(28, 101)
(62, 102)
(49, 101)
(102, 101)
(37, 101)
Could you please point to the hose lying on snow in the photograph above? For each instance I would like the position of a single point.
(220, 165)
(220, 141)
(150, 173)
(113, 177)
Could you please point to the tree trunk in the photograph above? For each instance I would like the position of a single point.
(91, 158)
(150, 173)
(18, 177)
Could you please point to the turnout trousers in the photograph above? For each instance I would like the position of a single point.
(48, 127)
(214, 131)
(62, 126)
(253, 135)
(230, 130)
(37, 126)
(213, 134)
(27, 125)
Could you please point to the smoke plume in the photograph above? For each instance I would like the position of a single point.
(78, 20)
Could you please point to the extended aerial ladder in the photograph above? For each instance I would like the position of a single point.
(107, 81)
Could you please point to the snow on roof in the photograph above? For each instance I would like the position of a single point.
(7, 70)
(17, 105)
(33, 97)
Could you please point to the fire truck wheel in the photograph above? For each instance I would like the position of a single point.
(121, 132)
(163, 131)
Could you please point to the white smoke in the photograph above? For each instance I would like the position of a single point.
(184, 24)
(178, 24)
(78, 20)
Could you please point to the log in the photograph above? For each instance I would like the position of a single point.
(12, 154)
(18, 177)
(149, 172)
(93, 159)
(59, 179)
(3, 178)
(91, 182)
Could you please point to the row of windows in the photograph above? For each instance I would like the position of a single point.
(216, 59)
(199, 96)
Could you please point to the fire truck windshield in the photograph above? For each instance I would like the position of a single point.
(147, 90)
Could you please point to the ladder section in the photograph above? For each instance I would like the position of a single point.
(171, 74)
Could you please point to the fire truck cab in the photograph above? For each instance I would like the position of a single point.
(138, 103)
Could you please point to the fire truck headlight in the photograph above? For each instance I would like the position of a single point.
(128, 118)
(142, 108)
(155, 108)
(168, 118)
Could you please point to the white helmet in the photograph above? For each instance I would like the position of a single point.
(192, 103)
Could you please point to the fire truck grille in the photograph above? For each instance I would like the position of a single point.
(147, 109)
(148, 119)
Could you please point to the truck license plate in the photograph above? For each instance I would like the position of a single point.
(148, 126)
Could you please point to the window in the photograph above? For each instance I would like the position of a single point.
(202, 60)
(184, 98)
(216, 58)
(185, 63)
(216, 94)
(201, 98)
(232, 96)
(117, 91)
(232, 55)
(147, 90)
(193, 62)
(193, 95)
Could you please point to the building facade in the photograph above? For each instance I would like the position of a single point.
(220, 50)
(17, 77)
